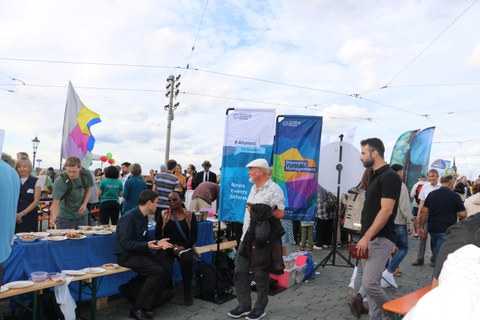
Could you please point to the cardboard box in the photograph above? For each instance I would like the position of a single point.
(287, 279)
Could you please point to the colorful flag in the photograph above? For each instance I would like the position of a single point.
(295, 164)
(248, 136)
(419, 157)
(77, 140)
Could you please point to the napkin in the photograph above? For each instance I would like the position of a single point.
(65, 300)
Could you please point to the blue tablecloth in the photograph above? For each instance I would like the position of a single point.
(92, 251)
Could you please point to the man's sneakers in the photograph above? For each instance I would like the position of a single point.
(140, 314)
(256, 314)
(388, 280)
(239, 312)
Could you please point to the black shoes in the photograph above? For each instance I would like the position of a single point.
(239, 312)
(140, 315)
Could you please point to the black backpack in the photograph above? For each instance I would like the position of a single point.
(224, 273)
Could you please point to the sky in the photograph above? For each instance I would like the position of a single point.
(381, 67)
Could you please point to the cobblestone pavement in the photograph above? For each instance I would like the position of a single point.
(322, 298)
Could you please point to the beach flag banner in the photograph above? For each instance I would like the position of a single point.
(296, 163)
(77, 139)
(401, 151)
(419, 158)
(248, 136)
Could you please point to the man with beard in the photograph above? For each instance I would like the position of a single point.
(378, 228)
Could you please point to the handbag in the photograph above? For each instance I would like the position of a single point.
(183, 236)
(353, 251)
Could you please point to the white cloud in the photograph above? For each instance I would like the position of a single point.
(343, 47)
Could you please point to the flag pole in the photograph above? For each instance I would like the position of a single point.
(63, 127)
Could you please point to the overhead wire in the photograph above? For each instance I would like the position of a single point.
(171, 67)
(431, 42)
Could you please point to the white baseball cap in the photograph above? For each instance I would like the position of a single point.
(258, 163)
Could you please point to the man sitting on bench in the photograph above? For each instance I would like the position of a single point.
(135, 251)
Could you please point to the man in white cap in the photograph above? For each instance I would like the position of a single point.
(264, 191)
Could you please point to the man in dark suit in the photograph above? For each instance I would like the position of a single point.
(205, 175)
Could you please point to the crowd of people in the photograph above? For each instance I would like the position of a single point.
(379, 216)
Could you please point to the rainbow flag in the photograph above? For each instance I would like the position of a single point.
(77, 140)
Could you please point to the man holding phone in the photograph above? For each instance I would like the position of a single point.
(134, 250)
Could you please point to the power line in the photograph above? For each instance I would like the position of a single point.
(196, 37)
(170, 67)
(431, 43)
(433, 85)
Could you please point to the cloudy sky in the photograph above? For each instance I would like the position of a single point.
(382, 67)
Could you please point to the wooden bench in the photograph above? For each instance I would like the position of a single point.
(88, 280)
(401, 306)
(36, 290)
(213, 247)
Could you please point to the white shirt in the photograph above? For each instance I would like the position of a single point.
(270, 194)
(426, 189)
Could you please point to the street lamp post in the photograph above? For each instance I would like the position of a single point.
(35, 143)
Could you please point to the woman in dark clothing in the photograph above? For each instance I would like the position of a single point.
(133, 187)
(167, 227)
(30, 189)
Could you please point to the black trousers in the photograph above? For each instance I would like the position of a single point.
(324, 232)
(156, 271)
(186, 261)
(109, 210)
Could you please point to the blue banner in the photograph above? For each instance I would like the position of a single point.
(248, 136)
(419, 155)
(296, 163)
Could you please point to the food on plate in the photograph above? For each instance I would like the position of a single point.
(85, 228)
(28, 238)
(73, 235)
(110, 266)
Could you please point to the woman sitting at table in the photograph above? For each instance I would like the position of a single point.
(109, 191)
(30, 189)
(180, 226)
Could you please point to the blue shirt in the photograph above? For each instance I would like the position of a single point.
(132, 189)
(9, 191)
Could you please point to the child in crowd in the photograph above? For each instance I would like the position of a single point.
(307, 231)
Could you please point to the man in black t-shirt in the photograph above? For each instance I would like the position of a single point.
(443, 207)
(378, 228)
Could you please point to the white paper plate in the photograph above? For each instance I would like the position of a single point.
(80, 238)
(87, 232)
(22, 234)
(94, 270)
(74, 272)
(56, 238)
(19, 284)
(110, 266)
(3, 289)
(41, 234)
(33, 239)
(103, 232)
(85, 228)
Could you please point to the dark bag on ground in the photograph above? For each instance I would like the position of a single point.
(131, 289)
(206, 276)
(48, 308)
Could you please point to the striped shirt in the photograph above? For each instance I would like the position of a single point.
(165, 183)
